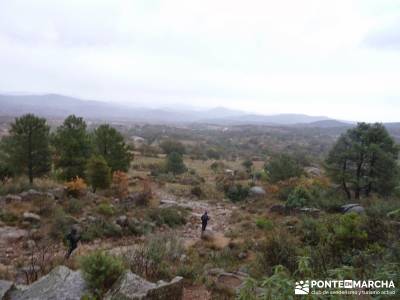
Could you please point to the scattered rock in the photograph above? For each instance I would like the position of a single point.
(257, 191)
(5, 287)
(31, 195)
(353, 208)
(242, 255)
(229, 283)
(167, 203)
(122, 221)
(215, 271)
(31, 217)
(58, 193)
(132, 287)
(314, 212)
(279, 209)
(61, 284)
(183, 258)
(13, 198)
(313, 171)
(12, 234)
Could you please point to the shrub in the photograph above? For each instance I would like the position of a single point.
(76, 187)
(313, 231)
(172, 216)
(213, 153)
(98, 173)
(106, 209)
(100, 229)
(5, 173)
(264, 224)
(174, 163)
(61, 224)
(277, 249)
(283, 167)
(247, 164)
(8, 217)
(196, 191)
(169, 146)
(299, 197)
(237, 192)
(120, 184)
(101, 271)
(155, 259)
(349, 233)
(74, 206)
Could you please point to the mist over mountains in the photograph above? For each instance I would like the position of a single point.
(54, 105)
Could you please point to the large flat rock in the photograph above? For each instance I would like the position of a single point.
(61, 284)
(133, 287)
(5, 287)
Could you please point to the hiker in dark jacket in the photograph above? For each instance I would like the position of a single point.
(73, 238)
(204, 219)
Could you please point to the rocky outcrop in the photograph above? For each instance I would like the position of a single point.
(31, 195)
(353, 208)
(10, 234)
(229, 283)
(65, 284)
(61, 284)
(257, 191)
(5, 287)
(13, 198)
(132, 287)
(31, 217)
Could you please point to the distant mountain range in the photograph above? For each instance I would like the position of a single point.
(55, 106)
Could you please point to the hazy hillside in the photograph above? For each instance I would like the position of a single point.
(53, 105)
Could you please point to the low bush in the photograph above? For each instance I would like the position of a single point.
(74, 206)
(196, 191)
(101, 229)
(157, 258)
(299, 197)
(278, 249)
(264, 223)
(106, 209)
(61, 224)
(349, 233)
(8, 217)
(120, 184)
(237, 192)
(101, 271)
(76, 187)
(171, 216)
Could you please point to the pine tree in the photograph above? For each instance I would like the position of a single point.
(72, 148)
(27, 147)
(109, 143)
(98, 173)
(175, 163)
(363, 160)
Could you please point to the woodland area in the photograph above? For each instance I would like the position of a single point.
(285, 203)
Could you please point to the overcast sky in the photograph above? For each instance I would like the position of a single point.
(339, 58)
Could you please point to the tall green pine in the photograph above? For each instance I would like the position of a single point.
(72, 148)
(109, 143)
(27, 147)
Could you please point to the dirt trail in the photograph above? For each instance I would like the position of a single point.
(219, 217)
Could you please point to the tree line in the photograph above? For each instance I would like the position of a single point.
(70, 151)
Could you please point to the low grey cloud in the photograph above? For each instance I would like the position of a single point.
(258, 56)
(385, 38)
